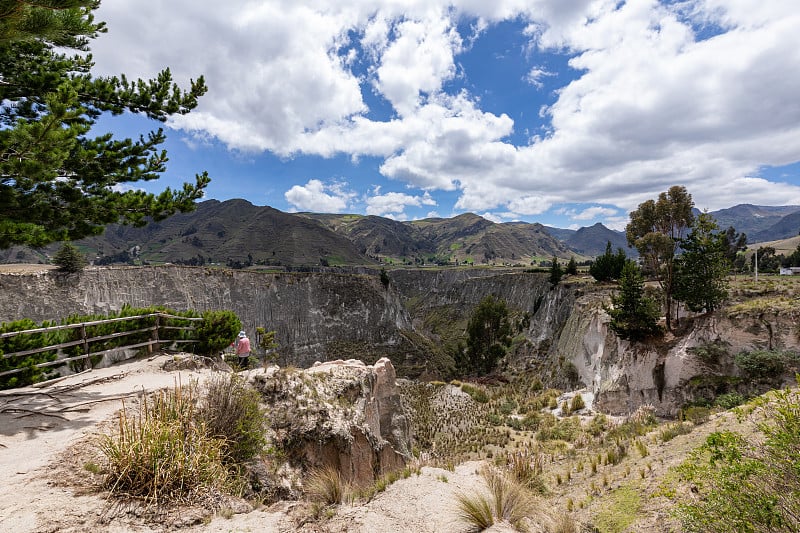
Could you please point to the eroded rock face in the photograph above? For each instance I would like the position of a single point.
(343, 414)
(666, 373)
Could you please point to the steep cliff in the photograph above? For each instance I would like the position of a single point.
(669, 372)
(308, 311)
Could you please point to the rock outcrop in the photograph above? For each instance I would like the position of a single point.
(668, 373)
(343, 414)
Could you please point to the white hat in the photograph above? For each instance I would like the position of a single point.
(242, 334)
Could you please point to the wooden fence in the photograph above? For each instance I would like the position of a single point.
(86, 342)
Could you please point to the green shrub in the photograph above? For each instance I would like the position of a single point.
(565, 429)
(748, 484)
(231, 412)
(29, 373)
(764, 364)
(670, 431)
(217, 331)
(577, 403)
(729, 400)
(711, 352)
(696, 414)
(477, 393)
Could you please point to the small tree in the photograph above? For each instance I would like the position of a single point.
(555, 272)
(656, 230)
(634, 316)
(701, 273)
(572, 267)
(69, 259)
(267, 343)
(488, 335)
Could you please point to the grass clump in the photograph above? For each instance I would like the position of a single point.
(232, 413)
(164, 453)
(184, 443)
(506, 500)
(326, 485)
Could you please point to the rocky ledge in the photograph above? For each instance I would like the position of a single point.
(343, 414)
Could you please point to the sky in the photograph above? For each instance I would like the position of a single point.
(564, 112)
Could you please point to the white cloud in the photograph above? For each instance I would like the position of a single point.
(492, 217)
(393, 204)
(651, 107)
(592, 213)
(536, 74)
(320, 198)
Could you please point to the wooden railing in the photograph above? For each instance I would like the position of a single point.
(86, 342)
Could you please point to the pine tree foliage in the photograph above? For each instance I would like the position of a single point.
(69, 259)
(572, 267)
(488, 335)
(634, 316)
(556, 273)
(609, 265)
(701, 275)
(58, 182)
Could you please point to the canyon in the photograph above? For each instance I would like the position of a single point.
(562, 331)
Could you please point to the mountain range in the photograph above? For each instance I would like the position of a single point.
(239, 234)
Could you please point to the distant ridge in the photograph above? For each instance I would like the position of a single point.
(240, 234)
(592, 241)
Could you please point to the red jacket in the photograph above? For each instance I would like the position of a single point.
(242, 346)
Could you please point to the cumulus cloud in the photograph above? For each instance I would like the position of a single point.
(393, 204)
(319, 197)
(651, 104)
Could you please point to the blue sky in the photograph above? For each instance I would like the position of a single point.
(565, 112)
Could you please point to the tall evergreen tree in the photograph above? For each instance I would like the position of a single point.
(556, 272)
(488, 335)
(656, 229)
(701, 274)
(57, 182)
(634, 316)
(572, 267)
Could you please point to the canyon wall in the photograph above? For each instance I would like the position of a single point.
(328, 315)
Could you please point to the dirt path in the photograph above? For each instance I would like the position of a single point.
(37, 426)
(39, 459)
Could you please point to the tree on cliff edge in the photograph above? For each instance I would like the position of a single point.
(57, 182)
(656, 230)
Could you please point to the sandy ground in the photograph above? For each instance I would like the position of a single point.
(46, 434)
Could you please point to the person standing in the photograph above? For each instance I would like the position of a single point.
(242, 349)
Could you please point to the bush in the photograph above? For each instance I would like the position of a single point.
(764, 364)
(217, 331)
(729, 400)
(27, 363)
(232, 413)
